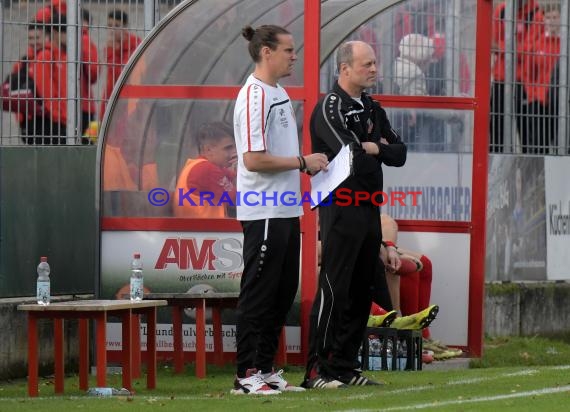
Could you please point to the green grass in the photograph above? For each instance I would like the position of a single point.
(522, 374)
(529, 351)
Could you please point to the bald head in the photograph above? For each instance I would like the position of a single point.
(347, 50)
(356, 67)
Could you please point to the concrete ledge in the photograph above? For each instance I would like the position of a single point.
(32, 299)
(14, 340)
(526, 308)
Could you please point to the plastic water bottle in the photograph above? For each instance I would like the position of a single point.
(375, 352)
(402, 355)
(106, 392)
(43, 284)
(136, 290)
(389, 355)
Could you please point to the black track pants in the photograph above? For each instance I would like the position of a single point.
(268, 286)
(351, 237)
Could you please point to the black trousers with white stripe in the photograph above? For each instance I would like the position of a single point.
(268, 286)
(350, 244)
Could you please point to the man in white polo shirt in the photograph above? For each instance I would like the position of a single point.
(268, 166)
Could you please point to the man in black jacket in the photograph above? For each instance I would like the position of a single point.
(351, 233)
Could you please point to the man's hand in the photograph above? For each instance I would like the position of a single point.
(316, 162)
(371, 148)
(393, 260)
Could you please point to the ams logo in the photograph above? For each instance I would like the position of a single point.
(211, 254)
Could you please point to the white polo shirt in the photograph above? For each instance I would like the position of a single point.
(264, 121)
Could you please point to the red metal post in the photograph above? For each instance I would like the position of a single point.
(201, 339)
(32, 354)
(218, 338)
(177, 337)
(83, 354)
(127, 348)
(311, 72)
(479, 178)
(151, 348)
(58, 354)
(136, 346)
(101, 348)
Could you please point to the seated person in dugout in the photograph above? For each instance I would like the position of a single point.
(116, 174)
(408, 278)
(206, 186)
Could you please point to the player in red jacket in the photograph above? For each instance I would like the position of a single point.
(49, 73)
(120, 46)
(529, 29)
(18, 91)
(89, 60)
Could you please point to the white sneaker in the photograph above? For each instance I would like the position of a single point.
(275, 381)
(252, 384)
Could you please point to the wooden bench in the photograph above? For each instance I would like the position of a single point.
(97, 310)
(201, 301)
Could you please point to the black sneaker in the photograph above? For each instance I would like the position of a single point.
(322, 382)
(356, 379)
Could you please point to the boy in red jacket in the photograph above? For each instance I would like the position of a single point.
(120, 46)
(49, 73)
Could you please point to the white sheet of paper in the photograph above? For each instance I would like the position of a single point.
(323, 183)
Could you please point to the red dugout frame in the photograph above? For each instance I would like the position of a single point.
(309, 94)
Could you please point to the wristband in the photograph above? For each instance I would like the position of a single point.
(300, 159)
(303, 163)
(389, 243)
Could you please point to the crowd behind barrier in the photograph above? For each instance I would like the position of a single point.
(41, 103)
(529, 98)
(424, 50)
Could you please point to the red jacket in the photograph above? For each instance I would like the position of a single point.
(89, 57)
(89, 72)
(116, 58)
(540, 69)
(21, 104)
(204, 176)
(49, 72)
(529, 29)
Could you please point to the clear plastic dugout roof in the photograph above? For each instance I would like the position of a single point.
(188, 70)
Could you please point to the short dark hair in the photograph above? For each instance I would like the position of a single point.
(119, 15)
(85, 16)
(58, 23)
(263, 36)
(213, 132)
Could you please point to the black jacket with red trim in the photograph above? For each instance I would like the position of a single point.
(338, 120)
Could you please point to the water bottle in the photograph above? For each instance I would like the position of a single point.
(136, 291)
(375, 352)
(42, 288)
(402, 355)
(106, 392)
(389, 355)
